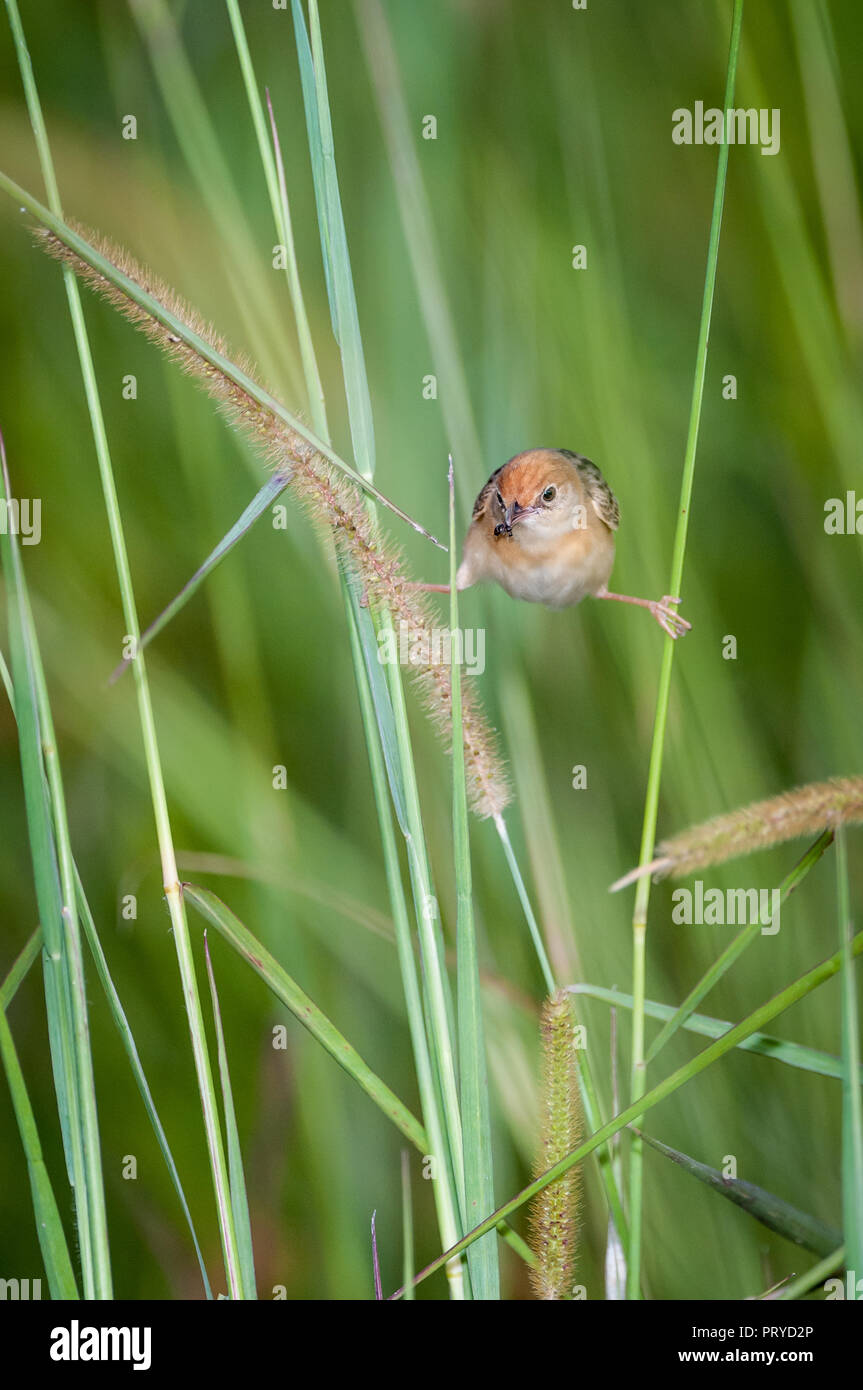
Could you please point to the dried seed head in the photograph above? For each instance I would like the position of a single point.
(554, 1211)
(805, 811)
(326, 494)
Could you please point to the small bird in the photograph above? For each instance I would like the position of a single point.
(543, 528)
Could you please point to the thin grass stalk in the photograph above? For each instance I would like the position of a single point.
(523, 897)
(145, 712)
(797, 990)
(408, 1260)
(274, 173)
(304, 1009)
(438, 1008)
(419, 237)
(127, 1037)
(343, 299)
(347, 331)
(211, 174)
(49, 1226)
(84, 1059)
(21, 967)
(8, 686)
(170, 877)
(426, 908)
(735, 949)
(314, 385)
(790, 1054)
(590, 1100)
(805, 1283)
(455, 402)
(443, 1187)
(473, 1073)
(852, 1098)
(319, 488)
(239, 1196)
(84, 251)
(260, 503)
(95, 1238)
(68, 1040)
(359, 621)
(638, 1080)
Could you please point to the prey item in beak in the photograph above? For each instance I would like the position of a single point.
(514, 512)
(503, 528)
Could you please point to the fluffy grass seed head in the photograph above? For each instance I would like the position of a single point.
(326, 494)
(805, 811)
(554, 1211)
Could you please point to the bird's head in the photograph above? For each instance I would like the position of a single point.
(535, 496)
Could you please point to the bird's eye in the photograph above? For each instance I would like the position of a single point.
(549, 494)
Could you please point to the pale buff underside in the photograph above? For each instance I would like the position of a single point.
(557, 573)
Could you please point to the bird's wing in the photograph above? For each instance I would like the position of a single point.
(486, 494)
(602, 498)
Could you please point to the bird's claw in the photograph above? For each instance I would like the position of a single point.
(668, 618)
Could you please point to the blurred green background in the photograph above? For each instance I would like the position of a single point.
(553, 129)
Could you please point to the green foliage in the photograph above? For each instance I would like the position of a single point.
(553, 129)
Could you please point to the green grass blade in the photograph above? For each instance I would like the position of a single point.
(67, 1037)
(790, 1053)
(81, 247)
(239, 1199)
(852, 1098)
(419, 237)
(20, 968)
(213, 910)
(385, 764)
(772, 1211)
(803, 1285)
(431, 946)
(77, 985)
(446, 1129)
(10, 986)
(638, 1079)
(340, 280)
(256, 508)
(461, 429)
(166, 848)
(49, 1227)
(408, 1260)
(282, 213)
(374, 697)
(127, 1038)
(736, 948)
(473, 1075)
(210, 172)
(310, 105)
(44, 859)
(274, 174)
(797, 990)
(524, 899)
(590, 1100)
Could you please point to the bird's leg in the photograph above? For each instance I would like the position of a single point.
(430, 588)
(668, 618)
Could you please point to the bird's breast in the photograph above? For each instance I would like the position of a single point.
(556, 574)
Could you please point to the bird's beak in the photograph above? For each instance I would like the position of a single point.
(514, 512)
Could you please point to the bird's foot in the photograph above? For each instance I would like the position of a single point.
(668, 618)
